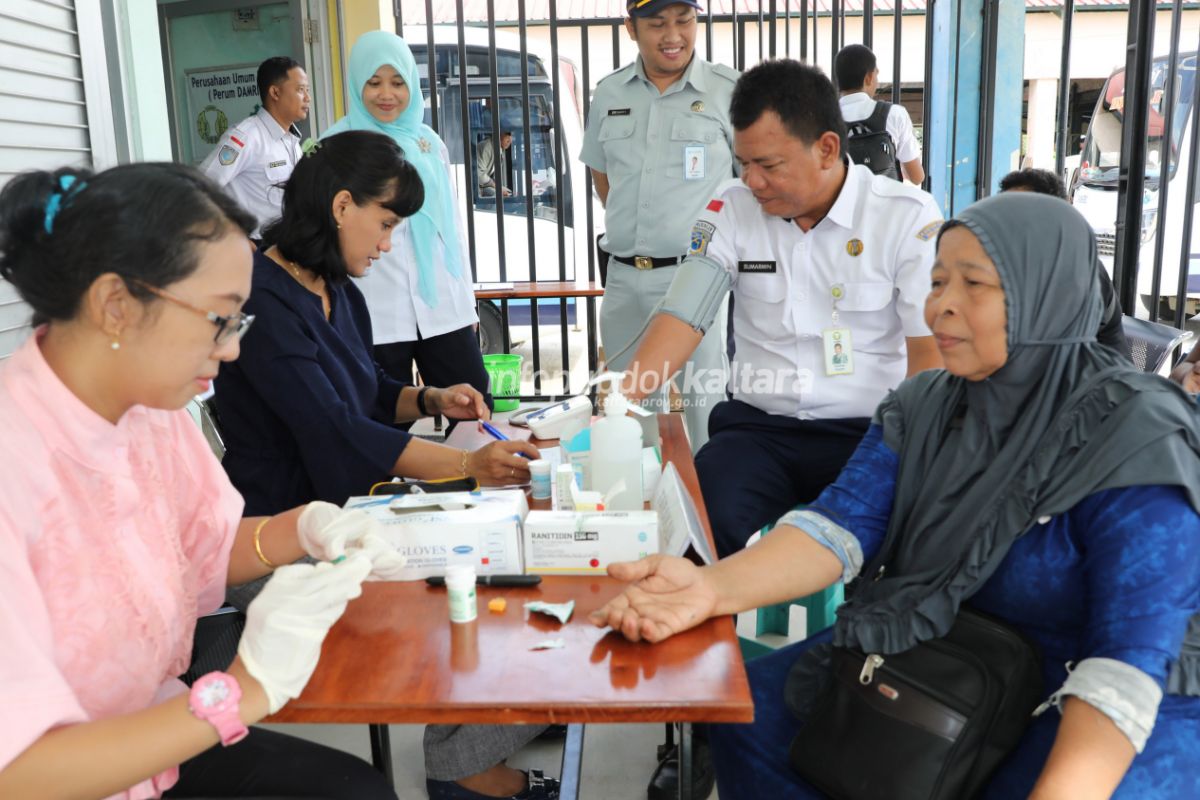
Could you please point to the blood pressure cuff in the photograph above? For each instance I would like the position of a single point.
(696, 292)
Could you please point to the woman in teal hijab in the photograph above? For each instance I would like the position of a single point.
(419, 295)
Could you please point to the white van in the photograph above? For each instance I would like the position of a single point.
(1094, 188)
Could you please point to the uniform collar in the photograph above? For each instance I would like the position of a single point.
(856, 97)
(65, 422)
(842, 211)
(273, 127)
(694, 75)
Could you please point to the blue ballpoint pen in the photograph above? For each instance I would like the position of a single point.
(493, 430)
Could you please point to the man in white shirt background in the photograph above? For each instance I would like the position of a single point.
(256, 157)
(858, 80)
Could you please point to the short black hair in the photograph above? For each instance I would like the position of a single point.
(852, 65)
(272, 72)
(1041, 181)
(369, 165)
(140, 221)
(800, 94)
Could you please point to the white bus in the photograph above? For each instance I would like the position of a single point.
(1094, 188)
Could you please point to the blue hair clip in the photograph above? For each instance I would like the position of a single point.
(55, 203)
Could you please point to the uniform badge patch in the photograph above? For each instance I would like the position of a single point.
(698, 105)
(702, 234)
(715, 206)
(228, 155)
(854, 247)
(930, 230)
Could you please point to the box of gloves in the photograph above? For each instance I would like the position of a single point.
(586, 542)
(434, 531)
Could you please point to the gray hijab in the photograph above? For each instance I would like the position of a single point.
(981, 461)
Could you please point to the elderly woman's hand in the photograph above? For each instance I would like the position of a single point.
(498, 464)
(667, 595)
(462, 401)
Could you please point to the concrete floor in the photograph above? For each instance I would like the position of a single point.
(617, 759)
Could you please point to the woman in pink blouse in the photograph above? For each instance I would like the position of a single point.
(118, 526)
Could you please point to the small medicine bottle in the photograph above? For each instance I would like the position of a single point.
(460, 588)
(539, 471)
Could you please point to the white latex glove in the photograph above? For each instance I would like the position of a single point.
(287, 622)
(327, 532)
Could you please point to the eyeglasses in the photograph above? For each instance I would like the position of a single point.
(227, 327)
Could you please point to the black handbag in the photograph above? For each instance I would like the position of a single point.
(931, 723)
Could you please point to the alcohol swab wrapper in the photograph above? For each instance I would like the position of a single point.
(560, 611)
(550, 644)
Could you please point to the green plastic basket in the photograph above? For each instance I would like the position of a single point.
(504, 374)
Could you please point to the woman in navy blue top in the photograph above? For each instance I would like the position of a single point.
(306, 412)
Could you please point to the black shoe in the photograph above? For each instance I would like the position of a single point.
(537, 787)
(553, 733)
(664, 783)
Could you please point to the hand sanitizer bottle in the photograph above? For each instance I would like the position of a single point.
(617, 453)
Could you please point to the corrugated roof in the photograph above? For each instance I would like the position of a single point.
(444, 11)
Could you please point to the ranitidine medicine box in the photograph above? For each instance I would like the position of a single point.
(434, 531)
(586, 542)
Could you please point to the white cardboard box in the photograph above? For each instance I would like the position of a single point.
(482, 529)
(586, 542)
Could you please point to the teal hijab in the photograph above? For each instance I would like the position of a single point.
(421, 146)
(982, 461)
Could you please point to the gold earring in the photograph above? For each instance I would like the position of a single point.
(339, 225)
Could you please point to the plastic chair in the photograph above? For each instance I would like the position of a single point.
(1149, 344)
(766, 629)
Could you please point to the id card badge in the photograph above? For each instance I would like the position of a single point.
(839, 352)
(693, 162)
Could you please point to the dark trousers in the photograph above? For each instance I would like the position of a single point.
(444, 360)
(757, 466)
(268, 765)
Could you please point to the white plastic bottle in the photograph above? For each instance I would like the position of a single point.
(617, 455)
(460, 589)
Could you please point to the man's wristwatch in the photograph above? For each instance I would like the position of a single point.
(215, 698)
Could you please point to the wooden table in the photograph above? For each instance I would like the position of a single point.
(394, 657)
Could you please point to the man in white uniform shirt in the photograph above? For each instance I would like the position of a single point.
(858, 79)
(256, 157)
(818, 253)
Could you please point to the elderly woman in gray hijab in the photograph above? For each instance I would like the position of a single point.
(1037, 476)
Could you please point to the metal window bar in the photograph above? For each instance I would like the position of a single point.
(1064, 89)
(1131, 180)
(531, 248)
(556, 85)
(954, 106)
(897, 32)
(1167, 107)
(987, 99)
(773, 27)
(465, 120)
(925, 101)
(593, 352)
(868, 25)
(431, 58)
(1188, 218)
(804, 30)
(837, 29)
(494, 97)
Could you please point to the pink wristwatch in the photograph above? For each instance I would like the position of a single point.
(215, 698)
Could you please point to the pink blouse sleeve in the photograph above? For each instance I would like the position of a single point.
(33, 692)
(214, 510)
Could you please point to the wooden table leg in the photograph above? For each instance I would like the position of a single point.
(572, 763)
(381, 751)
(685, 761)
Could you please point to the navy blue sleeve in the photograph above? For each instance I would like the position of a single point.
(314, 388)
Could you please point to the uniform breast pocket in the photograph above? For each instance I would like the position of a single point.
(694, 130)
(278, 172)
(758, 307)
(621, 157)
(866, 308)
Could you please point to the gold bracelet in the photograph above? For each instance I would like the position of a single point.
(462, 467)
(258, 544)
